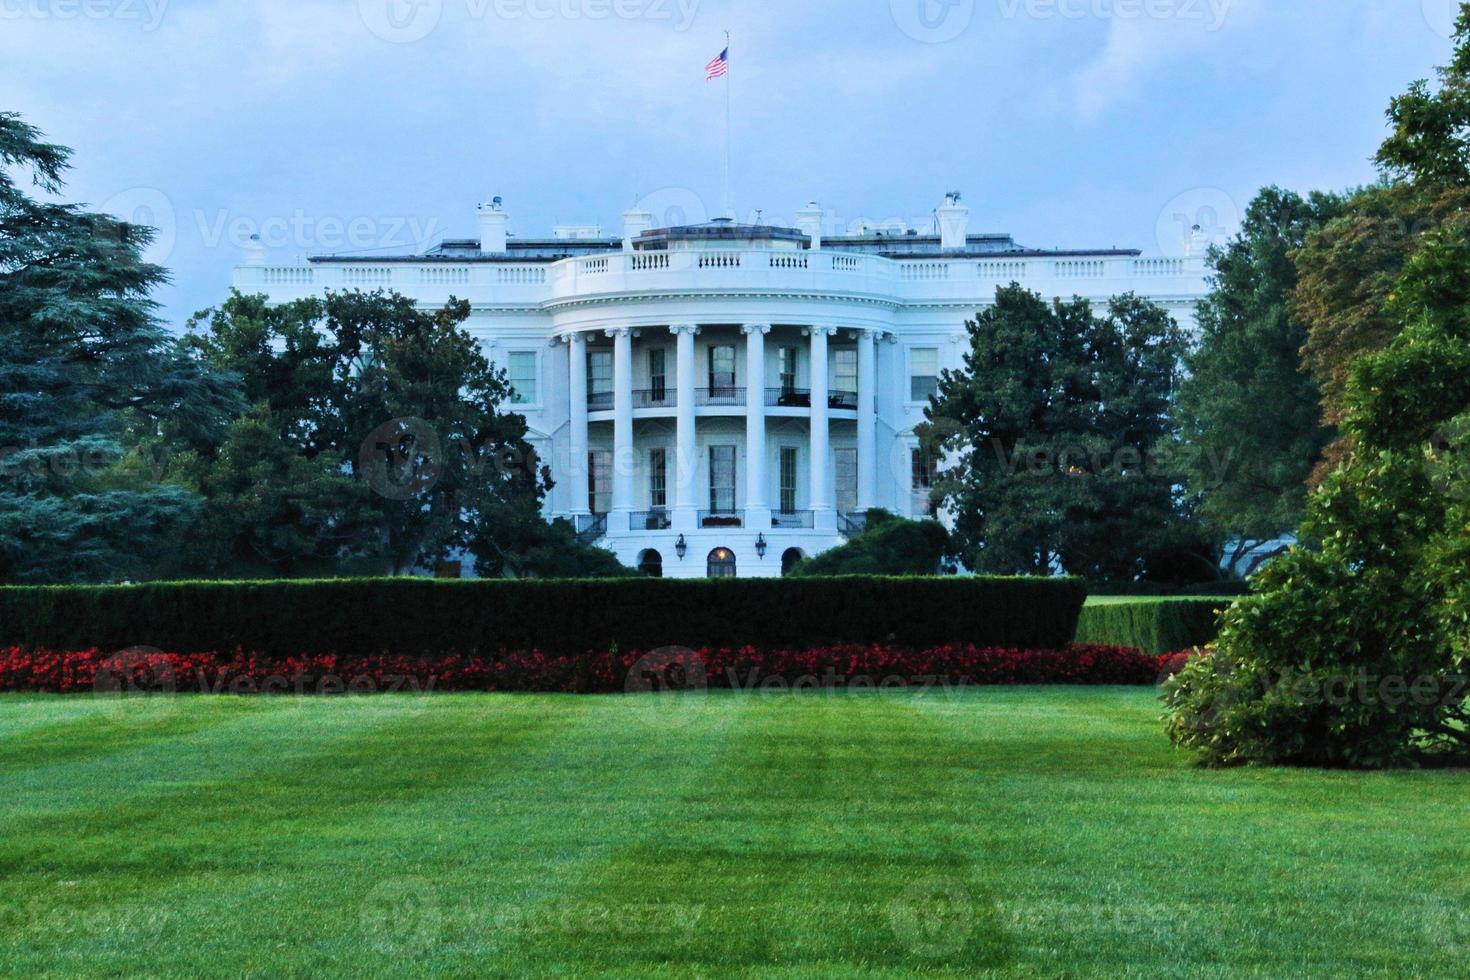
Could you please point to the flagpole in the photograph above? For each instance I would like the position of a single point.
(729, 209)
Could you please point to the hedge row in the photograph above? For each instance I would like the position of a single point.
(426, 617)
(839, 667)
(1154, 626)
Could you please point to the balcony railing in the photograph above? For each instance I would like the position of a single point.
(650, 520)
(721, 518)
(802, 398)
(599, 401)
(722, 395)
(655, 398)
(791, 519)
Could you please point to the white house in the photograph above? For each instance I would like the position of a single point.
(722, 398)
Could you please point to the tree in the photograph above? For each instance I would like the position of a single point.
(1052, 434)
(889, 545)
(1349, 266)
(87, 375)
(532, 548)
(1250, 416)
(377, 440)
(1355, 654)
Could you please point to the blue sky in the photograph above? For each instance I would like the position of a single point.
(377, 125)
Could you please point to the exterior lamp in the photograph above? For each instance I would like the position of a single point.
(681, 547)
(760, 545)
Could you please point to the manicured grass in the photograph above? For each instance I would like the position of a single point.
(1036, 832)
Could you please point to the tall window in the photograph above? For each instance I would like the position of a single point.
(658, 478)
(599, 379)
(722, 479)
(923, 373)
(599, 481)
(658, 381)
(722, 370)
(786, 359)
(846, 479)
(788, 479)
(844, 370)
(522, 371)
(925, 470)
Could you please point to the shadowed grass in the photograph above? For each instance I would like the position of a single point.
(1034, 832)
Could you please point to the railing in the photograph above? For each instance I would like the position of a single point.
(789, 260)
(590, 527)
(719, 260)
(721, 518)
(923, 271)
(847, 400)
(444, 275)
(520, 275)
(655, 398)
(657, 519)
(787, 397)
(1158, 267)
(721, 395)
(1001, 270)
(287, 275)
(599, 401)
(1081, 269)
(367, 275)
(649, 260)
(791, 518)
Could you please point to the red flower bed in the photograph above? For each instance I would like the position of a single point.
(852, 666)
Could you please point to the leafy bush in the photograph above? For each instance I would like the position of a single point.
(850, 666)
(889, 545)
(1152, 625)
(425, 617)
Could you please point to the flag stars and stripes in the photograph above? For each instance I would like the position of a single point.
(718, 67)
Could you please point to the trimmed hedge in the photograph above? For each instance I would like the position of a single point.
(427, 617)
(1155, 626)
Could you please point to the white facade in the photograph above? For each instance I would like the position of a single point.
(726, 386)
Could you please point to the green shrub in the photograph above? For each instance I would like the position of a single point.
(889, 546)
(426, 616)
(1152, 625)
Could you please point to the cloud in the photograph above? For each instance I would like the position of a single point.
(1144, 36)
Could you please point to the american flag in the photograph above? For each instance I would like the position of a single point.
(720, 66)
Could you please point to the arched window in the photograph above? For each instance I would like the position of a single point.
(651, 563)
(789, 558)
(721, 563)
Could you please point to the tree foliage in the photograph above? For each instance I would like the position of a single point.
(88, 376)
(889, 545)
(1052, 434)
(1250, 416)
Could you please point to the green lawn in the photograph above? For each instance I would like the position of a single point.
(1032, 832)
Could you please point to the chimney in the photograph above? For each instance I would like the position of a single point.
(635, 223)
(954, 222)
(254, 251)
(492, 227)
(809, 222)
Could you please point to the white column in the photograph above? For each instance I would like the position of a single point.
(686, 461)
(757, 491)
(577, 438)
(823, 505)
(867, 421)
(624, 461)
